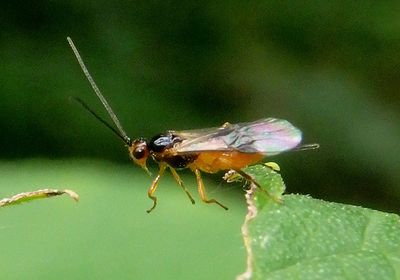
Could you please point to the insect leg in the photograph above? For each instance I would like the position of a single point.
(154, 185)
(226, 125)
(180, 182)
(202, 191)
(252, 181)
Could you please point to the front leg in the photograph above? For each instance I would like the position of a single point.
(154, 185)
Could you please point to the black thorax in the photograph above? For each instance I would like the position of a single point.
(159, 145)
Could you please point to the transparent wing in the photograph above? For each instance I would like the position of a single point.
(267, 136)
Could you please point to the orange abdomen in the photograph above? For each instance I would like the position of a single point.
(212, 162)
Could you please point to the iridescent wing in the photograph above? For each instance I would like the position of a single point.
(266, 136)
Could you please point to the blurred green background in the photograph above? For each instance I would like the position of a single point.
(330, 68)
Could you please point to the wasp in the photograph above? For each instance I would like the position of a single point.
(228, 147)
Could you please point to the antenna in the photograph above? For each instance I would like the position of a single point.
(122, 133)
(87, 108)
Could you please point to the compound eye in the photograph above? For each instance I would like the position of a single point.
(139, 153)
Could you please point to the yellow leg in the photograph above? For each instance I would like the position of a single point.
(153, 187)
(251, 180)
(226, 125)
(180, 182)
(202, 191)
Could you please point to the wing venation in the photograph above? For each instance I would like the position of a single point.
(267, 136)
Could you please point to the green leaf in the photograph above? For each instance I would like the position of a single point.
(29, 196)
(306, 238)
(270, 186)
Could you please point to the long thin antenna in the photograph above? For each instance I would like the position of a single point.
(87, 108)
(99, 94)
